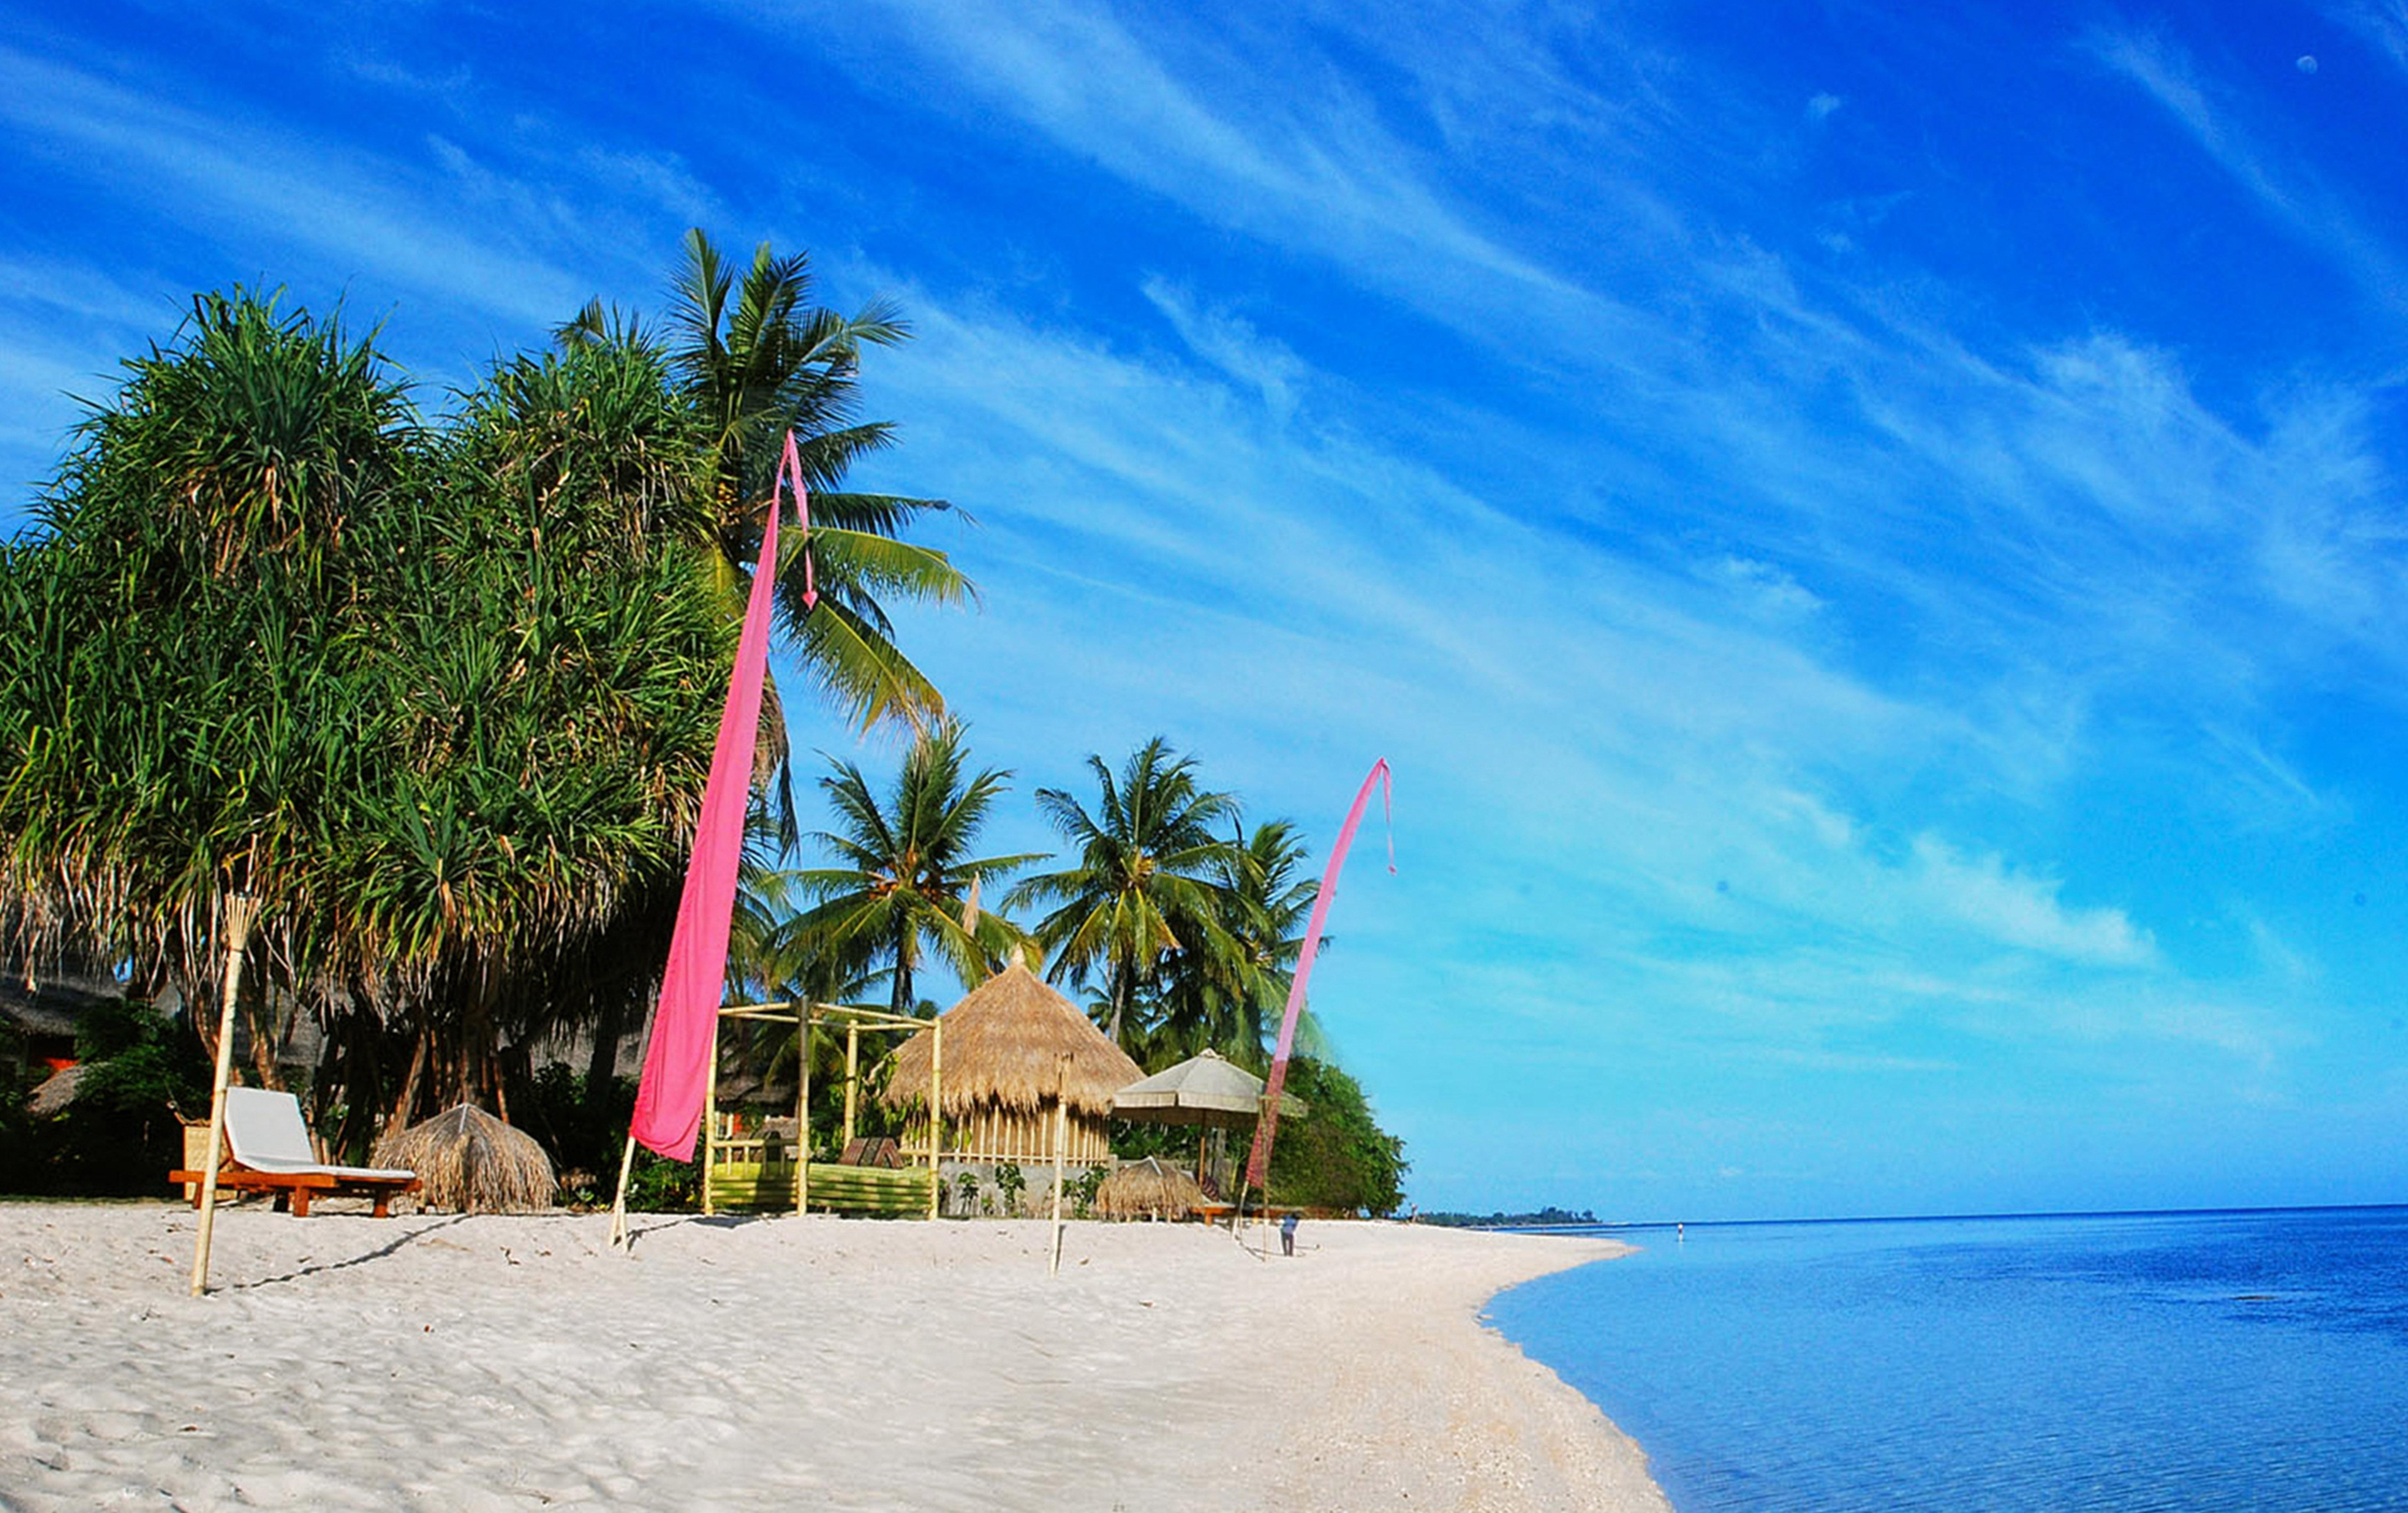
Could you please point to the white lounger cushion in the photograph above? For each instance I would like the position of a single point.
(268, 1136)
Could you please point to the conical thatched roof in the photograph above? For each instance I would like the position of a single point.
(467, 1159)
(1148, 1187)
(1003, 1047)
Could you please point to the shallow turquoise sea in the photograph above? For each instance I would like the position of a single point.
(2203, 1361)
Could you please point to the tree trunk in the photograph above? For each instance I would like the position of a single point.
(260, 1016)
(903, 972)
(1119, 1004)
(402, 1105)
(602, 1068)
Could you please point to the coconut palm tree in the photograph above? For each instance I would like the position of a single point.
(1149, 878)
(758, 360)
(905, 882)
(1232, 1001)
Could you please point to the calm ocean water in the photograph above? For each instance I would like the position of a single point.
(2195, 1362)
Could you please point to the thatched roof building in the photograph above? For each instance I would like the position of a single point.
(1008, 1046)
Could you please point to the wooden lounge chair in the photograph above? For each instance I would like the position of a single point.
(267, 1150)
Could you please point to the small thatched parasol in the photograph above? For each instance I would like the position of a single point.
(467, 1159)
(1005, 1046)
(1201, 1090)
(1148, 1188)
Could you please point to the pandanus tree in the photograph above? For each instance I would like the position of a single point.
(907, 882)
(440, 705)
(1147, 879)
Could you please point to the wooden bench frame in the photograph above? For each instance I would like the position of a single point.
(299, 1185)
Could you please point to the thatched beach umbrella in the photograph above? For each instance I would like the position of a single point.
(1148, 1189)
(1205, 1091)
(467, 1159)
(1202, 1089)
(1012, 1047)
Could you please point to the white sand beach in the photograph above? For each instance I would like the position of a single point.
(435, 1362)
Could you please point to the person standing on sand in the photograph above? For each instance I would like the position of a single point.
(1288, 1236)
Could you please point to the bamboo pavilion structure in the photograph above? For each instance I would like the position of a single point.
(1016, 1053)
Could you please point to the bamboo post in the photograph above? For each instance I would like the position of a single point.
(1061, 1131)
(803, 1130)
(619, 1203)
(935, 1111)
(709, 1112)
(802, 1114)
(852, 1079)
(239, 913)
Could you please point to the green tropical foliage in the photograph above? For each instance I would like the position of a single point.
(138, 1073)
(440, 698)
(755, 359)
(1231, 1001)
(1336, 1158)
(906, 883)
(1148, 881)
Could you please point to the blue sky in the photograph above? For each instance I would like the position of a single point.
(1874, 545)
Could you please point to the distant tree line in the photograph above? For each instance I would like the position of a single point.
(1501, 1220)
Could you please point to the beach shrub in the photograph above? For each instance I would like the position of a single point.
(140, 1070)
(1337, 1157)
(1011, 1182)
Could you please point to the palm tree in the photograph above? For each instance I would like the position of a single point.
(905, 879)
(758, 360)
(1231, 1002)
(1149, 881)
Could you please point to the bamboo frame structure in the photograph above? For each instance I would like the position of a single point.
(807, 1017)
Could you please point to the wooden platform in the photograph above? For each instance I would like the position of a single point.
(884, 1191)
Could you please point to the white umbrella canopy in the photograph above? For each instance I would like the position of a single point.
(1201, 1090)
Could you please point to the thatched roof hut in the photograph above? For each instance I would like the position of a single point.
(1010, 1046)
(1149, 1188)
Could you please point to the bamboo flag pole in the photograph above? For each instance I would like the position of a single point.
(803, 1109)
(239, 916)
(619, 1203)
(803, 1130)
(710, 1111)
(1061, 1130)
(936, 1112)
(852, 1079)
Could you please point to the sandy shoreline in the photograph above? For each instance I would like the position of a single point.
(438, 1362)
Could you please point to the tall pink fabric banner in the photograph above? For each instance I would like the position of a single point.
(685, 1027)
(1267, 1128)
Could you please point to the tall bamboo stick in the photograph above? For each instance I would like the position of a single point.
(709, 1112)
(1061, 1129)
(852, 1079)
(619, 1203)
(935, 1111)
(802, 1112)
(803, 1130)
(239, 913)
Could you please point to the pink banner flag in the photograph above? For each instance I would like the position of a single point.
(685, 1027)
(1260, 1162)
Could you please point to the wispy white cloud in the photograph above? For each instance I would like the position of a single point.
(1231, 343)
(342, 205)
(2282, 188)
